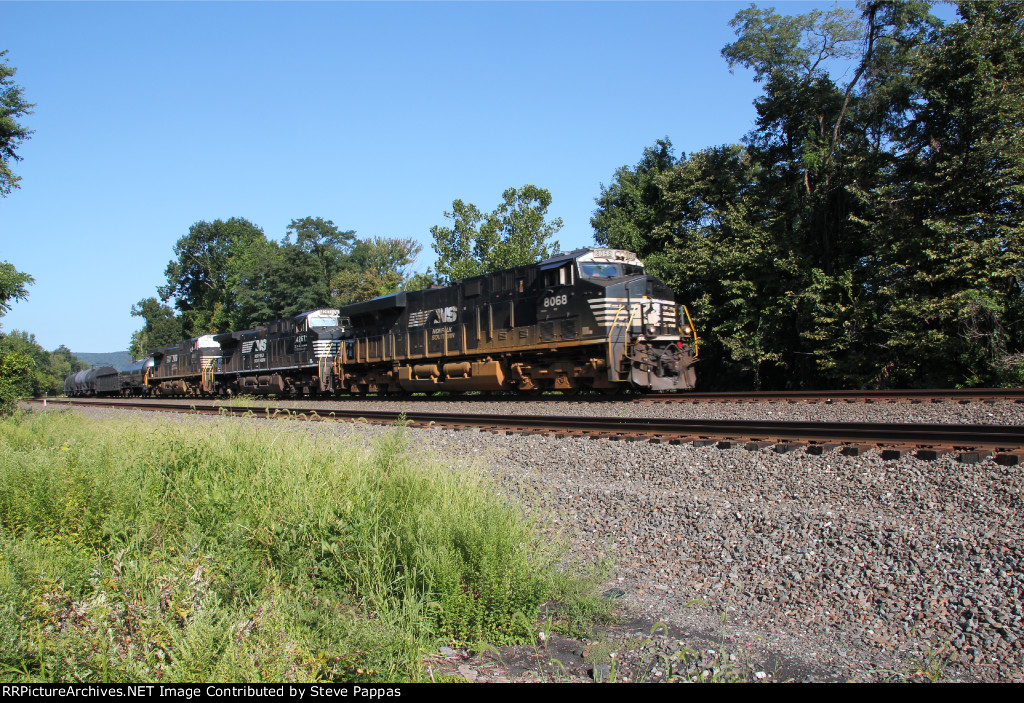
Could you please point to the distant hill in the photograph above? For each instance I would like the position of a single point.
(119, 360)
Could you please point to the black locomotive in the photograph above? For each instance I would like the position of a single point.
(590, 318)
(587, 319)
(293, 356)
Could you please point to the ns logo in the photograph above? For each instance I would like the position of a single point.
(435, 316)
(445, 314)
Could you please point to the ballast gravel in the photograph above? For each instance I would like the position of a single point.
(811, 567)
(777, 566)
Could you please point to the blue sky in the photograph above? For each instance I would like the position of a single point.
(150, 117)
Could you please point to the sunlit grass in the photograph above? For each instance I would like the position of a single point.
(188, 551)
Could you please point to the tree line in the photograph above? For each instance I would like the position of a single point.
(26, 369)
(868, 231)
(227, 275)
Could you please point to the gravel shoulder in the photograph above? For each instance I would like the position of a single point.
(763, 565)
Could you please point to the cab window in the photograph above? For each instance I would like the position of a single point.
(594, 269)
(561, 276)
(323, 318)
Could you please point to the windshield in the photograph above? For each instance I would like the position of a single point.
(595, 269)
(323, 318)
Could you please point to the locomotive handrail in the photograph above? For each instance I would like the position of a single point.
(693, 330)
(611, 334)
(339, 365)
(625, 336)
(634, 307)
(321, 370)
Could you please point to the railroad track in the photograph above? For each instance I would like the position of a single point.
(912, 396)
(969, 443)
(959, 395)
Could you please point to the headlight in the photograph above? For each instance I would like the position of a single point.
(687, 330)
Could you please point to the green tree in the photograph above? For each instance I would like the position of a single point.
(13, 286)
(283, 282)
(162, 327)
(634, 211)
(868, 233)
(15, 379)
(229, 276)
(420, 281)
(773, 243)
(16, 368)
(379, 266)
(12, 133)
(690, 220)
(952, 250)
(211, 262)
(289, 277)
(515, 233)
(44, 372)
(64, 362)
(329, 246)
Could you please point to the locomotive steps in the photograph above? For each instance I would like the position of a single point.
(969, 443)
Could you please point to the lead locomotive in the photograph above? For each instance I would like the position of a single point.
(587, 319)
(590, 318)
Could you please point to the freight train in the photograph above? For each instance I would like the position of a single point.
(590, 319)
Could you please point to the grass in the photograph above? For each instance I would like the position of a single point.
(193, 551)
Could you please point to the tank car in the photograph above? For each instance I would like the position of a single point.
(591, 318)
(93, 382)
(135, 378)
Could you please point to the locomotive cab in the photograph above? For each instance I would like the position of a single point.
(640, 318)
(326, 328)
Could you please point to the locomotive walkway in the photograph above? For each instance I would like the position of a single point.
(968, 443)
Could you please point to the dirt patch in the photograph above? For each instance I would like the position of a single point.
(630, 652)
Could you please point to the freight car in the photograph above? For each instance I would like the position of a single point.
(586, 319)
(93, 382)
(135, 378)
